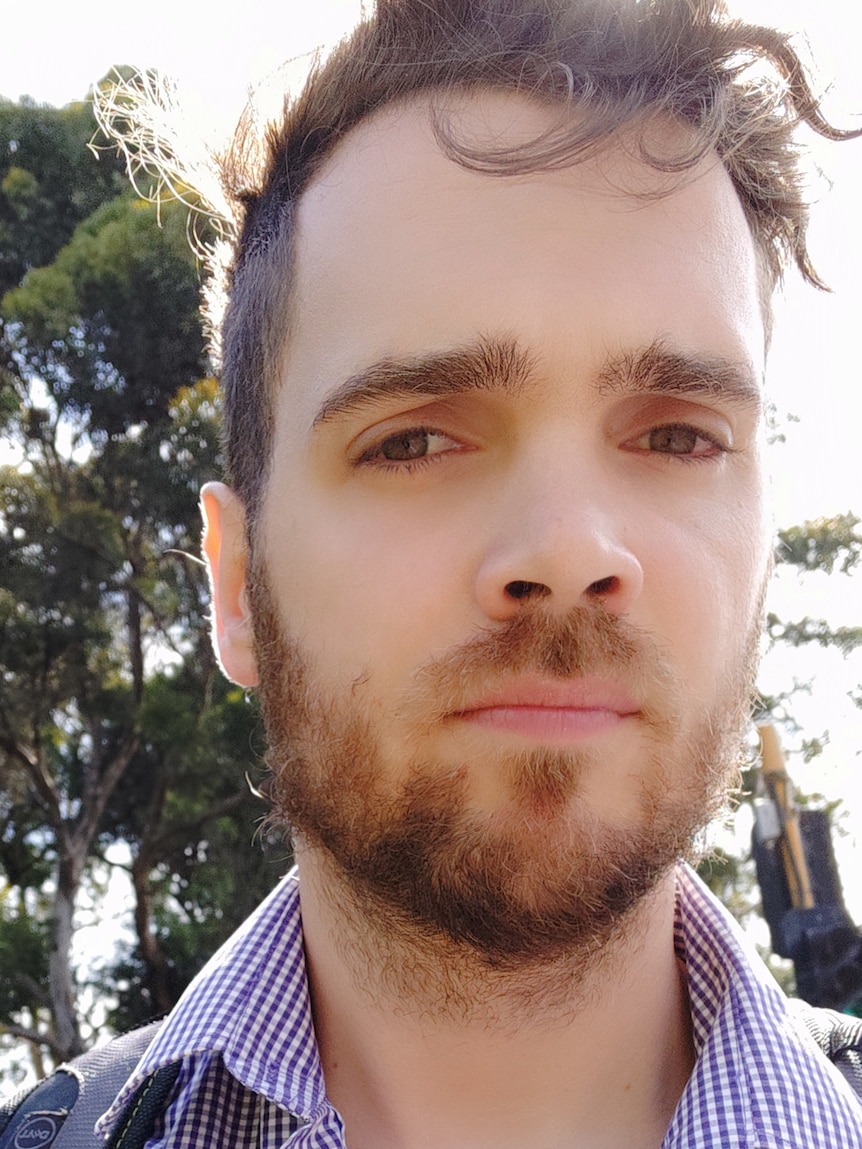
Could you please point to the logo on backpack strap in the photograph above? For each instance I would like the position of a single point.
(38, 1130)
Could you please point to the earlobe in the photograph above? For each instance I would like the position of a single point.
(224, 548)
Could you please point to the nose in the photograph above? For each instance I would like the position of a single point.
(562, 546)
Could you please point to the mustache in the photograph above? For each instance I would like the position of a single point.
(586, 641)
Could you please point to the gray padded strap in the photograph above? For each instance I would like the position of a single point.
(839, 1036)
(104, 1071)
(61, 1112)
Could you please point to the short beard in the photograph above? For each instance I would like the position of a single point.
(540, 881)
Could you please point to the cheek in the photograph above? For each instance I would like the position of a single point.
(366, 591)
(708, 574)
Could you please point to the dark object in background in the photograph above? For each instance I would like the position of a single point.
(802, 898)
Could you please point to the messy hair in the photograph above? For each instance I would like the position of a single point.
(739, 88)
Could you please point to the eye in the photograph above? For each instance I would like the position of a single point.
(680, 439)
(409, 446)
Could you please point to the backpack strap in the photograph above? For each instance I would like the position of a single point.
(135, 1127)
(61, 1111)
(839, 1035)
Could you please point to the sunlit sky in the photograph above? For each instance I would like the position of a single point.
(53, 51)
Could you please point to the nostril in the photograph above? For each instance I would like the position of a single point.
(602, 586)
(518, 589)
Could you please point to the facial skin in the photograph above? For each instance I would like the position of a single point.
(508, 574)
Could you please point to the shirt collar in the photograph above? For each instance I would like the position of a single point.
(759, 1080)
(250, 1004)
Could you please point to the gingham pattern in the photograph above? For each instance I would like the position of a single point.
(251, 1075)
(760, 1081)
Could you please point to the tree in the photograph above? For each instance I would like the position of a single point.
(825, 545)
(114, 722)
(49, 182)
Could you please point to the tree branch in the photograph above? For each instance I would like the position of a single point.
(33, 1036)
(96, 800)
(35, 771)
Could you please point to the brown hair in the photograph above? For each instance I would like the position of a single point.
(741, 89)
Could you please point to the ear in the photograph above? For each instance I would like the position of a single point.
(224, 548)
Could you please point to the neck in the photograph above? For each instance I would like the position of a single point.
(424, 1043)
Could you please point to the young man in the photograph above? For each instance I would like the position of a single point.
(494, 555)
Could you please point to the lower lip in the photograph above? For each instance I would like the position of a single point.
(549, 724)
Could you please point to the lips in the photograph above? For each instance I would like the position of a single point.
(551, 709)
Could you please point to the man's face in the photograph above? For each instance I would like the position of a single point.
(507, 576)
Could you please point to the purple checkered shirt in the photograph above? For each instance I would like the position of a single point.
(251, 1073)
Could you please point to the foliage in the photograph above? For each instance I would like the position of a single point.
(808, 630)
(111, 326)
(822, 544)
(826, 545)
(115, 723)
(49, 182)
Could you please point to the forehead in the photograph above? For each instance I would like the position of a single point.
(399, 250)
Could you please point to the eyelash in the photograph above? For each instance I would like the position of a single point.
(372, 456)
(718, 446)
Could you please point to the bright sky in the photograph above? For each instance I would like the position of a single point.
(53, 50)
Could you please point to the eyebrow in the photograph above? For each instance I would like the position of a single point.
(503, 366)
(498, 365)
(661, 370)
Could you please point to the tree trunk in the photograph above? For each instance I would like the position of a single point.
(158, 975)
(67, 1032)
